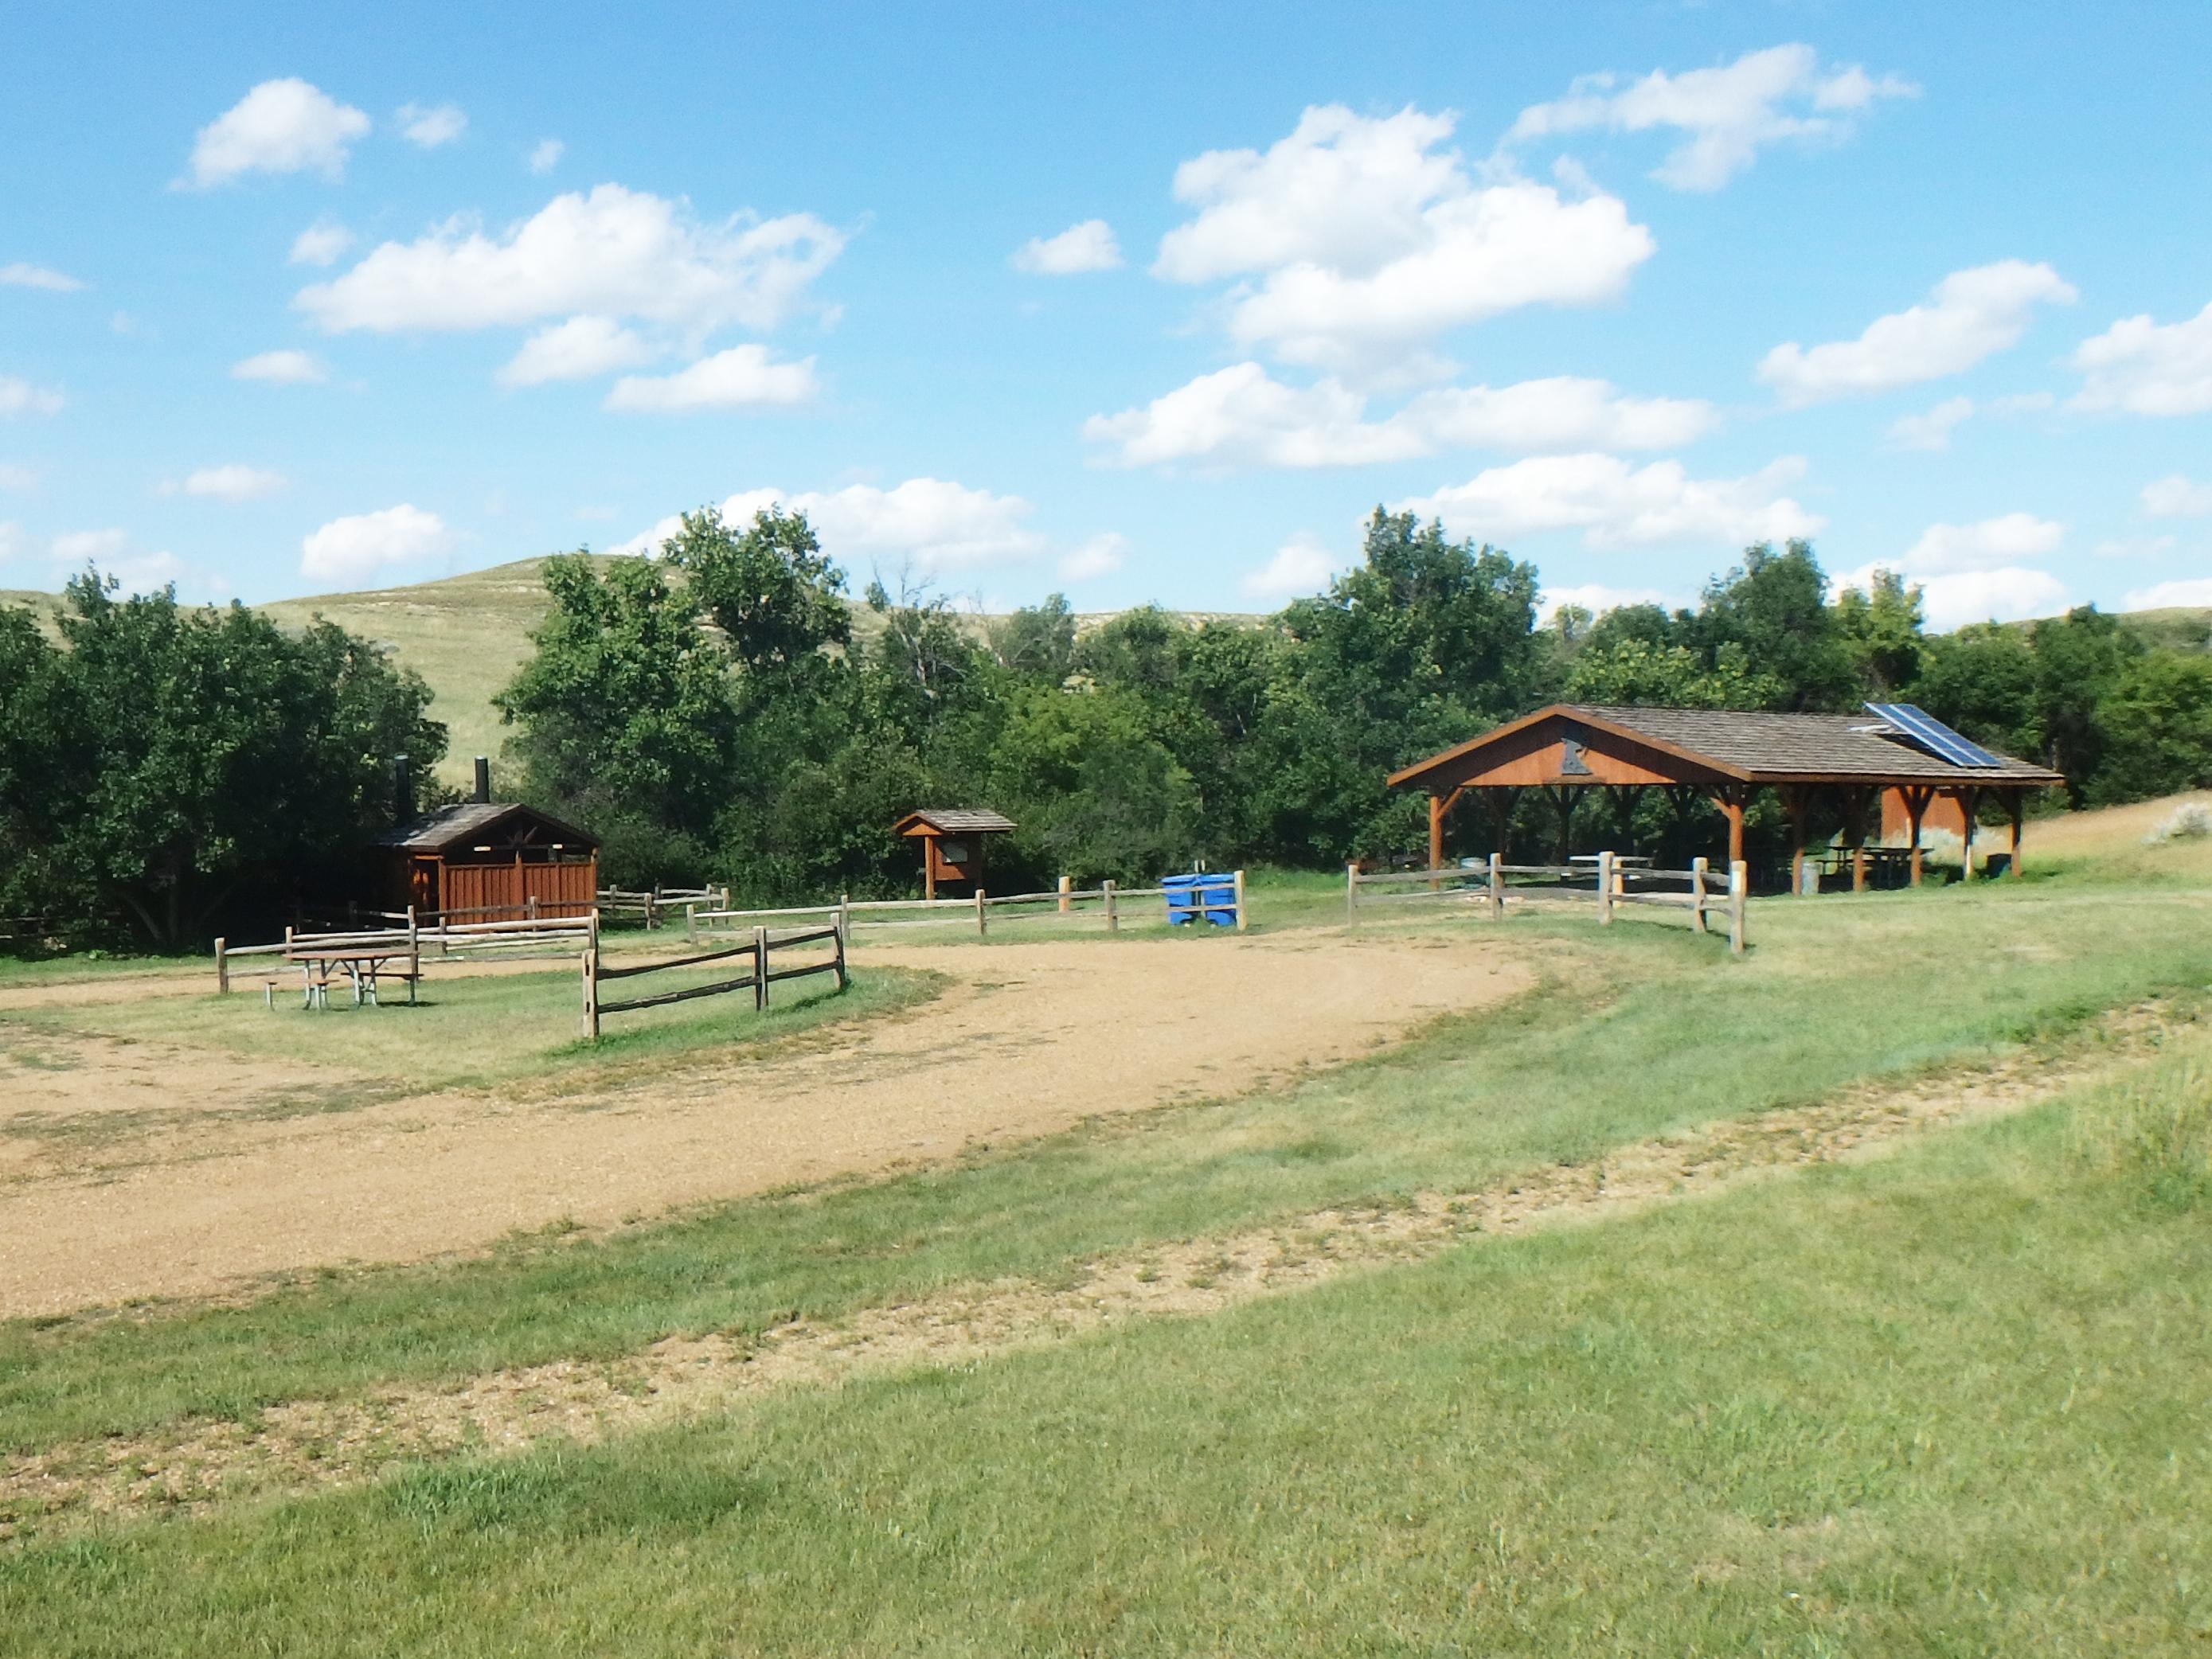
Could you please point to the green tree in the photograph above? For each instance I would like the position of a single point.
(1774, 607)
(1039, 640)
(2156, 726)
(1634, 670)
(196, 754)
(625, 717)
(1880, 626)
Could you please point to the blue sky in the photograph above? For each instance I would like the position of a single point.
(1127, 303)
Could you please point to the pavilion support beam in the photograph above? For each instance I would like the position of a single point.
(1970, 806)
(1797, 803)
(1624, 797)
(1857, 803)
(1502, 802)
(1563, 802)
(1730, 797)
(1440, 807)
(1916, 797)
(2016, 809)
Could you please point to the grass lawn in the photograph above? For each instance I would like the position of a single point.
(1663, 1032)
(1949, 1402)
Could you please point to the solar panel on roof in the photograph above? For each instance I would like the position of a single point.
(1931, 734)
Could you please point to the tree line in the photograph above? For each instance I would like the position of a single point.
(727, 711)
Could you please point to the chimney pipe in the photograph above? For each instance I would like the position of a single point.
(484, 778)
(402, 790)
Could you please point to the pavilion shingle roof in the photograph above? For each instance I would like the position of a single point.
(1842, 745)
(958, 820)
(451, 826)
(1758, 747)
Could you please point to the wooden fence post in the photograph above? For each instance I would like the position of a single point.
(1605, 889)
(591, 991)
(1065, 883)
(530, 908)
(1697, 895)
(760, 970)
(1497, 888)
(1240, 900)
(840, 942)
(691, 924)
(982, 927)
(1739, 879)
(844, 924)
(1113, 920)
(222, 968)
(1351, 894)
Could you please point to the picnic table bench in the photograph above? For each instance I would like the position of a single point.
(362, 965)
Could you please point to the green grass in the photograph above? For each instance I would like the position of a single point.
(1948, 1403)
(1650, 1032)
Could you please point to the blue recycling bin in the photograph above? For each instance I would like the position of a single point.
(1210, 897)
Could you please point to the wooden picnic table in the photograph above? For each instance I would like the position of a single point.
(361, 964)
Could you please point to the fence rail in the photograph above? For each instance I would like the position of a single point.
(545, 936)
(1609, 882)
(762, 973)
(980, 911)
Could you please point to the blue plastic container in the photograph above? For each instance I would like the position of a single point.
(1211, 898)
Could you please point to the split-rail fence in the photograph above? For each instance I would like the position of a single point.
(758, 951)
(1605, 884)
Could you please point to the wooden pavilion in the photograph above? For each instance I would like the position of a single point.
(1726, 757)
(951, 841)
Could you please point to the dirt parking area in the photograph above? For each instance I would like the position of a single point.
(1032, 1038)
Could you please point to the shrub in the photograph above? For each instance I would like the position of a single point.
(2190, 821)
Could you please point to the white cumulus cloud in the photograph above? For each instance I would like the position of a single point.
(286, 368)
(2177, 497)
(351, 549)
(1989, 544)
(1243, 416)
(13, 476)
(575, 351)
(20, 275)
(742, 377)
(234, 481)
(428, 127)
(937, 524)
(613, 253)
(1087, 246)
(1102, 555)
(1931, 431)
(1613, 504)
(1300, 566)
(1972, 314)
(547, 154)
(321, 243)
(2148, 367)
(1728, 113)
(2190, 591)
(280, 126)
(1356, 241)
(19, 396)
(90, 546)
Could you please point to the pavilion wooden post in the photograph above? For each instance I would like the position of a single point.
(1970, 804)
(1730, 797)
(1915, 797)
(2016, 805)
(1855, 828)
(1501, 813)
(1697, 867)
(1562, 800)
(1436, 837)
(1605, 889)
(1795, 805)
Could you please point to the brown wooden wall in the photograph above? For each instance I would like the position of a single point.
(1538, 756)
(1943, 812)
(560, 890)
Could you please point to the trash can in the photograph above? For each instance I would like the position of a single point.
(1205, 897)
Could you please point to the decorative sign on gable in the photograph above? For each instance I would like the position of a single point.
(1572, 764)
